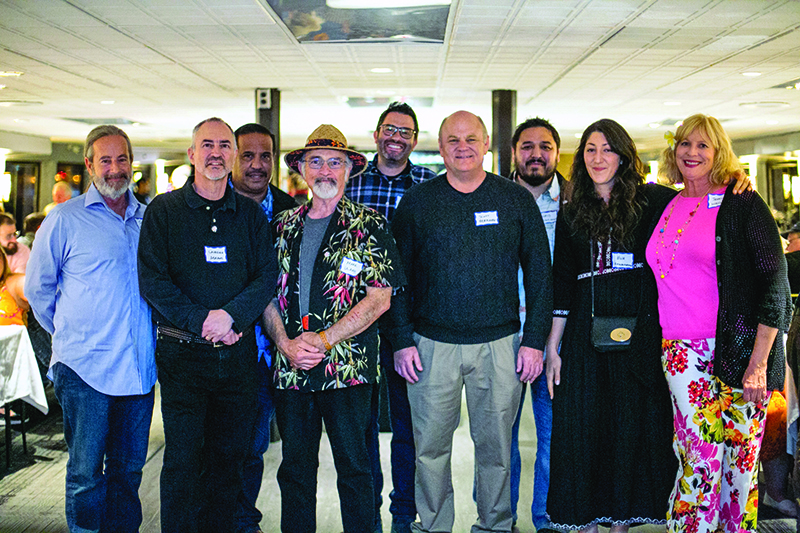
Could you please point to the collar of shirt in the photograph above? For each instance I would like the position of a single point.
(196, 201)
(93, 196)
(266, 204)
(373, 169)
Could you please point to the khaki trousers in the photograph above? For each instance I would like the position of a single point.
(493, 390)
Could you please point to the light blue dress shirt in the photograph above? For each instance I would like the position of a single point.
(548, 204)
(82, 283)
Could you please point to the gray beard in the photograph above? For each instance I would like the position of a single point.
(109, 191)
(325, 190)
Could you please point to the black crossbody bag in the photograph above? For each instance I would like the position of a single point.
(609, 333)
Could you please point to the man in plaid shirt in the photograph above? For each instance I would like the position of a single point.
(381, 186)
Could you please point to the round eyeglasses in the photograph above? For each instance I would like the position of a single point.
(334, 163)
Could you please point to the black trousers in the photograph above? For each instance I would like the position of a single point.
(208, 403)
(346, 413)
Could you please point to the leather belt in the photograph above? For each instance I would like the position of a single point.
(187, 336)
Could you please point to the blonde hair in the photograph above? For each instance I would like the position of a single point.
(725, 161)
(6, 269)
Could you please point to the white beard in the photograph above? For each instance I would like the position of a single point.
(325, 190)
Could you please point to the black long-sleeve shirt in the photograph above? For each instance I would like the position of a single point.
(461, 253)
(194, 258)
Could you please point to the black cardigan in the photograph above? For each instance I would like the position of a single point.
(753, 287)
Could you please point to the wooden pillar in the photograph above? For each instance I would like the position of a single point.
(504, 120)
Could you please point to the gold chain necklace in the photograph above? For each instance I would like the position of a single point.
(663, 273)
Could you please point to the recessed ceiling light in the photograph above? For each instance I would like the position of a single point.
(772, 122)
(381, 70)
(107, 102)
(764, 104)
(2, 86)
(19, 120)
(9, 103)
(672, 103)
(655, 125)
(578, 135)
(751, 74)
(10, 73)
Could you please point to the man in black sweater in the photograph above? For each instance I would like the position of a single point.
(462, 237)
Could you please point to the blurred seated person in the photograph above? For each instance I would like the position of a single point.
(775, 460)
(29, 228)
(13, 305)
(16, 253)
(142, 190)
(62, 191)
(793, 256)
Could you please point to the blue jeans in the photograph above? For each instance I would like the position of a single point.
(248, 517)
(100, 428)
(208, 404)
(402, 444)
(543, 416)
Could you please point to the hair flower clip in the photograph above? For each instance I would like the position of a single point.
(670, 137)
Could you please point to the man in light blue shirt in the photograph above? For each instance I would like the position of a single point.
(535, 148)
(83, 287)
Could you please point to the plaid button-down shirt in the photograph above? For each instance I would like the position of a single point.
(382, 193)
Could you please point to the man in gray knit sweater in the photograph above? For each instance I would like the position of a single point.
(462, 237)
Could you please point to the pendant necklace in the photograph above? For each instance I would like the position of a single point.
(674, 243)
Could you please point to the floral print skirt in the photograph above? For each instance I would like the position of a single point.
(717, 438)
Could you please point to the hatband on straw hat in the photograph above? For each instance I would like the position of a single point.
(327, 137)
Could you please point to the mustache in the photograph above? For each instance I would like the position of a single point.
(118, 175)
(213, 159)
(260, 173)
(533, 160)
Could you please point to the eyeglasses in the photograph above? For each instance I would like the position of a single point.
(405, 133)
(334, 163)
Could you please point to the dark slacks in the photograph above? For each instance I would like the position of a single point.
(208, 403)
(346, 413)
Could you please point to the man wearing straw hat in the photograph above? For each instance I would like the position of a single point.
(338, 265)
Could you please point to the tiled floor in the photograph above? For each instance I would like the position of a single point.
(32, 492)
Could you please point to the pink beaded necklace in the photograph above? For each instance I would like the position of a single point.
(674, 243)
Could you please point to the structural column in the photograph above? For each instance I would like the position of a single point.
(268, 114)
(504, 120)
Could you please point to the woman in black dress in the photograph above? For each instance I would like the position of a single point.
(611, 457)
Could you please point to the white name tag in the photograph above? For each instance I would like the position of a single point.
(351, 267)
(216, 254)
(714, 200)
(486, 218)
(622, 260)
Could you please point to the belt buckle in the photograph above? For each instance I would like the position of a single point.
(217, 344)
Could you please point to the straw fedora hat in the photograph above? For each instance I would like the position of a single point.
(330, 138)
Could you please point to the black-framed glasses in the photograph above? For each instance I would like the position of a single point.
(334, 163)
(405, 133)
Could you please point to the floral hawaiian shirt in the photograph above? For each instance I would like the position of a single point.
(357, 252)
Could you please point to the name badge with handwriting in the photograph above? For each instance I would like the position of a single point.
(622, 260)
(216, 254)
(351, 267)
(714, 200)
(486, 218)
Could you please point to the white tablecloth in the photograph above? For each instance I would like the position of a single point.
(19, 375)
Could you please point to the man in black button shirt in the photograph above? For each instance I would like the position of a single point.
(208, 269)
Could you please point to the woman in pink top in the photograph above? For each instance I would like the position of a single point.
(723, 295)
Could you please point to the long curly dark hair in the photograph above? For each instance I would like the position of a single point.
(590, 213)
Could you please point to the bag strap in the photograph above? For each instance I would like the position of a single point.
(591, 269)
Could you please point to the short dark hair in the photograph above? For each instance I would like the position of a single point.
(402, 108)
(535, 123)
(32, 222)
(247, 129)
